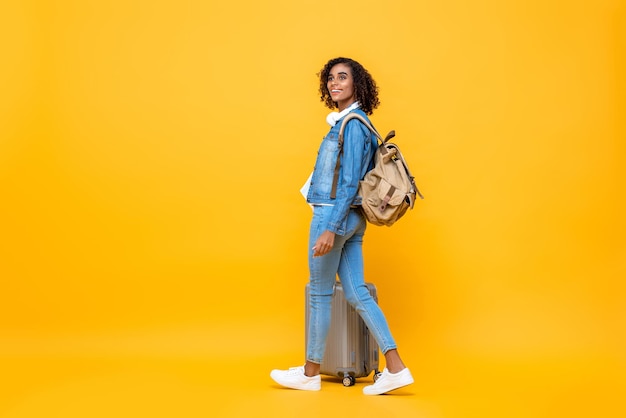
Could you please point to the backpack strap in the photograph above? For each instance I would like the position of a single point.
(349, 116)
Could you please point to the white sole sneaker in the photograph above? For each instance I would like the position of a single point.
(389, 381)
(295, 378)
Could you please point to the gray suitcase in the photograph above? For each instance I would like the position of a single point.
(351, 351)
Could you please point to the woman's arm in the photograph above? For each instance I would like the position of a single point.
(354, 140)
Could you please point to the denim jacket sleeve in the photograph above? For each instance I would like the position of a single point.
(355, 159)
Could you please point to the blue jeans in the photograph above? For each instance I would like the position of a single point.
(346, 260)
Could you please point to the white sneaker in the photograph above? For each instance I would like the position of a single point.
(295, 378)
(389, 381)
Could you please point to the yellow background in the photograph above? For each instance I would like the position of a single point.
(153, 236)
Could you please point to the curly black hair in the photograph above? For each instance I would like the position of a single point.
(365, 88)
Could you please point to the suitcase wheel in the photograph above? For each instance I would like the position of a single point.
(377, 375)
(348, 381)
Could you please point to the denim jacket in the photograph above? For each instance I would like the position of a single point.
(359, 145)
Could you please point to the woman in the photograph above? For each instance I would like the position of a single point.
(337, 228)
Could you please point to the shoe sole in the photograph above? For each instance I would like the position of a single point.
(390, 390)
(312, 389)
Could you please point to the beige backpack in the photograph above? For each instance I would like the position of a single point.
(388, 190)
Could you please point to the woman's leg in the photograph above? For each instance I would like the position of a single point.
(351, 273)
(393, 362)
(323, 273)
(352, 278)
(322, 276)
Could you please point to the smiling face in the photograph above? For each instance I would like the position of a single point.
(340, 85)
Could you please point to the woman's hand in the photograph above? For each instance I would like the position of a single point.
(324, 244)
